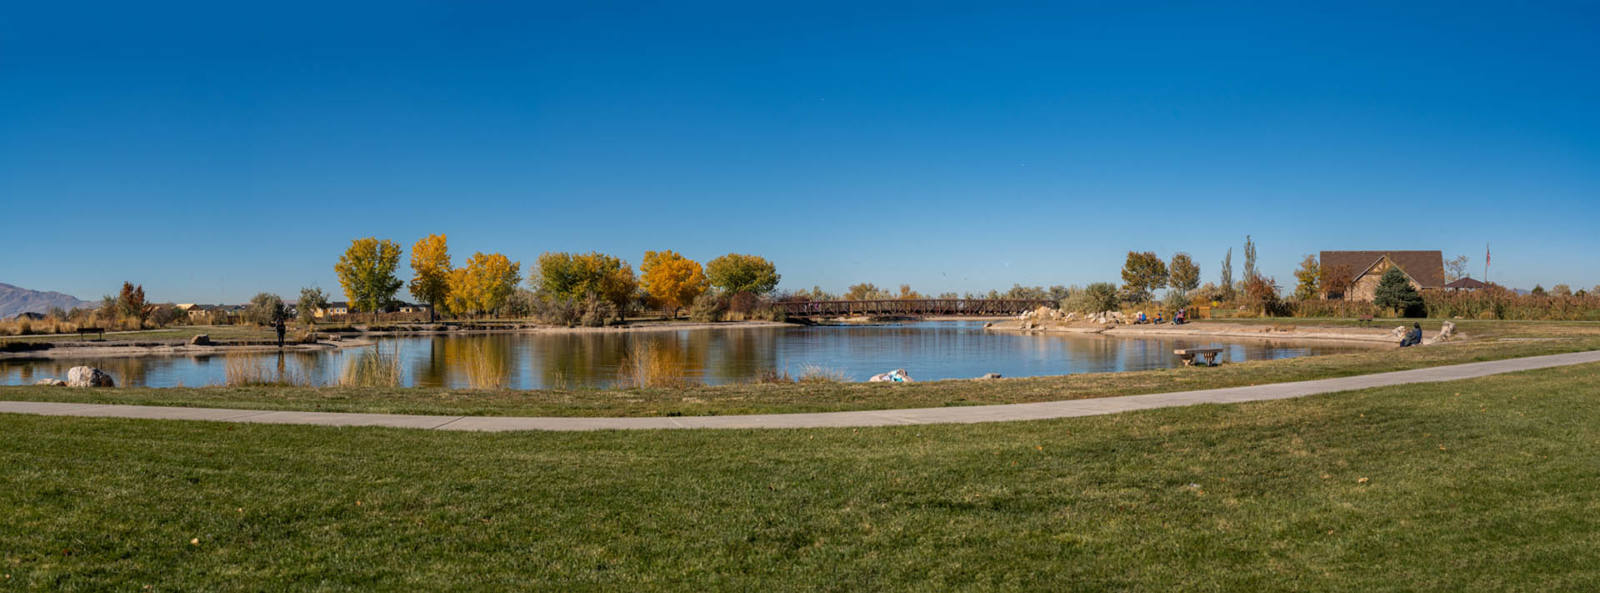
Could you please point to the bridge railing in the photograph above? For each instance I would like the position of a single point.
(911, 307)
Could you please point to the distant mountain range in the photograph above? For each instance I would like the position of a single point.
(16, 299)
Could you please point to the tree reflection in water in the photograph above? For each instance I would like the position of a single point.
(732, 355)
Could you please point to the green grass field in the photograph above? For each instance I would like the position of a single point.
(1487, 484)
(813, 397)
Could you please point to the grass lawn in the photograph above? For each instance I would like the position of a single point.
(1486, 484)
(811, 397)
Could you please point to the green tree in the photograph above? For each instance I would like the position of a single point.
(1142, 274)
(737, 273)
(1094, 298)
(366, 272)
(1225, 288)
(430, 271)
(865, 291)
(1185, 275)
(266, 309)
(574, 277)
(1309, 274)
(311, 300)
(1396, 293)
(1249, 258)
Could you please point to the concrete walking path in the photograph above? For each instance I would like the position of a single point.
(946, 415)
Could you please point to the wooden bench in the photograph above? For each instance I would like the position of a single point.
(1188, 355)
(1365, 319)
(84, 331)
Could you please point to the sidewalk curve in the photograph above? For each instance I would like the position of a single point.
(947, 415)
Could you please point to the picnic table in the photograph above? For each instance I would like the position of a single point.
(1188, 355)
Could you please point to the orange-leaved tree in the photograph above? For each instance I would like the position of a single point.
(483, 285)
(672, 279)
(430, 269)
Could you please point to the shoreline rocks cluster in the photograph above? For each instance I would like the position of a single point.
(1038, 318)
(81, 377)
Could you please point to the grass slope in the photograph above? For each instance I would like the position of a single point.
(1487, 484)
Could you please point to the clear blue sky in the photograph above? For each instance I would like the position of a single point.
(217, 149)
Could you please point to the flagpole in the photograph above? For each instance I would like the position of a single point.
(1485, 262)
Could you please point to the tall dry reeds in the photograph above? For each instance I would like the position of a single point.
(647, 365)
(484, 370)
(246, 370)
(811, 373)
(372, 367)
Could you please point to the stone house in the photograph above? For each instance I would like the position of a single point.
(1363, 269)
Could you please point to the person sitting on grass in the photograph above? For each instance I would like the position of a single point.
(1178, 318)
(1413, 337)
(1141, 319)
(1158, 318)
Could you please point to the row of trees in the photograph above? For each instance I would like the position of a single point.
(585, 285)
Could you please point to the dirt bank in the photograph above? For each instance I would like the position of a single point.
(1216, 330)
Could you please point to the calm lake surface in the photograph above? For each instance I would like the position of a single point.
(927, 350)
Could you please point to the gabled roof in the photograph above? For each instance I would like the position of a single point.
(1425, 267)
(1466, 284)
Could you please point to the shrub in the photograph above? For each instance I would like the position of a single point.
(1261, 296)
(597, 312)
(811, 373)
(556, 310)
(708, 307)
(1094, 298)
(1176, 300)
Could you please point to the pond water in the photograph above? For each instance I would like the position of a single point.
(927, 350)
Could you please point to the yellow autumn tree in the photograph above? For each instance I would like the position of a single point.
(430, 269)
(672, 279)
(366, 272)
(483, 285)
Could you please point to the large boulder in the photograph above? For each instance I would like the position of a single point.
(894, 376)
(1446, 332)
(200, 340)
(1399, 333)
(88, 377)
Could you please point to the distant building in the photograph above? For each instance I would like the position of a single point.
(1363, 269)
(334, 308)
(413, 308)
(196, 312)
(1466, 284)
